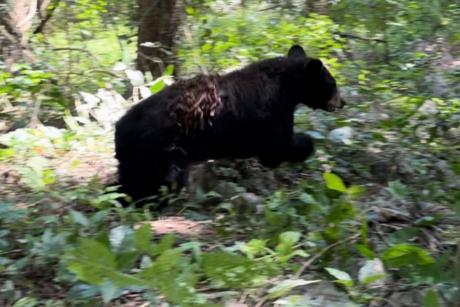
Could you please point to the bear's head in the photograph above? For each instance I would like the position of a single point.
(321, 88)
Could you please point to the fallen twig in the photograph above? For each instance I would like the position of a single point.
(309, 262)
(322, 252)
(243, 299)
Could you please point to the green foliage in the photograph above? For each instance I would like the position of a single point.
(97, 263)
(404, 255)
(431, 299)
(235, 271)
(236, 39)
(342, 277)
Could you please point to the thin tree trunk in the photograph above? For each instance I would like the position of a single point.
(15, 19)
(309, 7)
(159, 23)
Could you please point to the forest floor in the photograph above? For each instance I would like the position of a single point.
(243, 188)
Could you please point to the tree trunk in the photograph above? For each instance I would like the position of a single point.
(15, 19)
(309, 7)
(159, 22)
(316, 6)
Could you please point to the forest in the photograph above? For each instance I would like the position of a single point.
(370, 219)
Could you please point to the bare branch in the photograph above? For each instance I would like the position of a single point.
(378, 40)
(44, 21)
(75, 49)
(101, 71)
(269, 8)
(44, 6)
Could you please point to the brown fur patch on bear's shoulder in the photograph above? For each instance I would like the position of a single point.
(198, 104)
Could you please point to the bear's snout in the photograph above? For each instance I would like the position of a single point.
(336, 102)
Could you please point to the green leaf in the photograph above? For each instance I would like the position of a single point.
(169, 70)
(94, 263)
(234, 271)
(365, 251)
(307, 199)
(173, 275)
(75, 163)
(339, 274)
(397, 189)
(90, 261)
(165, 244)
(163, 274)
(431, 299)
(253, 247)
(403, 235)
(166, 262)
(194, 247)
(285, 248)
(157, 87)
(206, 47)
(334, 182)
(26, 302)
(6, 153)
(356, 191)
(109, 291)
(428, 220)
(342, 277)
(404, 255)
(373, 278)
(339, 212)
(455, 168)
(190, 10)
(290, 237)
(79, 218)
(143, 240)
(99, 216)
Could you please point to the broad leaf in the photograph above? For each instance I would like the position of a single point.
(342, 277)
(404, 255)
(334, 182)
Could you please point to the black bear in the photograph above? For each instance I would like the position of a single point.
(243, 114)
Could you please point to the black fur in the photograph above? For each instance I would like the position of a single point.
(246, 113)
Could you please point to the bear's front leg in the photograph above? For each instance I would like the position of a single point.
(297, 150)
(300, 149)
(177, 175)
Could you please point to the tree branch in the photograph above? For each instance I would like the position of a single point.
(101, 71)
(269, 8)
(75, 49)
(345, 35)
(44, 5)
(44, 21)
(32, 11)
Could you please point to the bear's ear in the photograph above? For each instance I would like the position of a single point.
(296, 51)
(314, 67)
